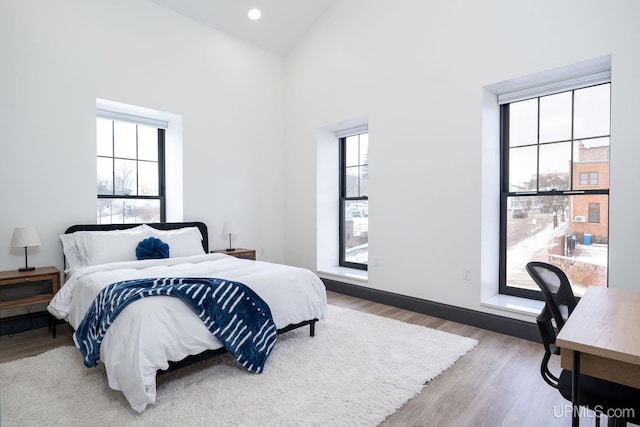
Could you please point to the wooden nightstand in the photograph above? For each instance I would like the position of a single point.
(238, 253)
(24, 288)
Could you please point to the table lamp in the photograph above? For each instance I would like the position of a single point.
(23, 237)
(229, 228)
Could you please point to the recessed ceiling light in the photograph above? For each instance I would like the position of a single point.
(254, 14)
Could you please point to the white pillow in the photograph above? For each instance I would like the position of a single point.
(72, 256)
(85, 248)
(182, 242)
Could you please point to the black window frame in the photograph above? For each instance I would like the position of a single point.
(342, 262)
(505, 192)
(161, 170)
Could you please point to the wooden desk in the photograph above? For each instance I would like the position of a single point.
(602, 337)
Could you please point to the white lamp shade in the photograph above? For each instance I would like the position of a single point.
(24, 236)
(229, 227)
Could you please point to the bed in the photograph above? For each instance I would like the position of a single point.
(160, 333)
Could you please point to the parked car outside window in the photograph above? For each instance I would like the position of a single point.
(520, 213)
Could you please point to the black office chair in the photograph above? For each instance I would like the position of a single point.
(595, 394)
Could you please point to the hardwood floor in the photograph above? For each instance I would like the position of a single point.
(496, 384)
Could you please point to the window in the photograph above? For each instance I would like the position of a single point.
(588, 178)
(555, 187)
(130, 172)
(594, 213)
(354, 201)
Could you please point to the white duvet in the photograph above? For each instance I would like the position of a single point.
(152, 331)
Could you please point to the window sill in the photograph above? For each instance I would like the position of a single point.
(344, 274)
(526, 306)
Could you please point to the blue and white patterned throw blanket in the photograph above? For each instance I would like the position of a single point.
(233, 312)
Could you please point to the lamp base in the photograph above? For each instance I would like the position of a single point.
(230, 249)
(26, 268)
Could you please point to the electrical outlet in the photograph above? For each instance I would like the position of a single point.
(466, 273)
(376, 261)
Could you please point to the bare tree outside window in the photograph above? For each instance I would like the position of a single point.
(130, 185)
(555, 188)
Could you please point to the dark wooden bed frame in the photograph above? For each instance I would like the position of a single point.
(189, 360)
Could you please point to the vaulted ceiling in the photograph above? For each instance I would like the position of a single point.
(282, 23)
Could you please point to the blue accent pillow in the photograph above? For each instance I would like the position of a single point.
(152, 248)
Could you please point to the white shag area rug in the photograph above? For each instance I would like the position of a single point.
(356, 371)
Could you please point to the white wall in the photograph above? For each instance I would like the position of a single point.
(418, 69)
(58, 57)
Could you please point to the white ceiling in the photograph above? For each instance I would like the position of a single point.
(282, 23)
